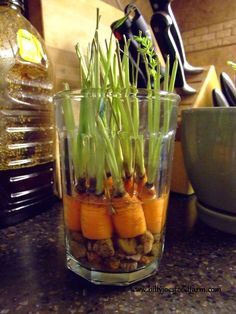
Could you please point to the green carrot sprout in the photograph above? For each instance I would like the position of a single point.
(232, 64)
(108, 138)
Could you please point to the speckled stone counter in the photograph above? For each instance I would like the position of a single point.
(197, 273)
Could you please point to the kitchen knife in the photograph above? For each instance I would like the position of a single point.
(165, 6)
(228, 88)
(219, 99)
(161, 24)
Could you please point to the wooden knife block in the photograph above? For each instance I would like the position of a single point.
(204, 83)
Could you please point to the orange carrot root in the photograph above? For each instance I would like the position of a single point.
(72, 207)
(166, 197)
(129, 220)
(154, 212)
(109, 182)
(154, 209)
(96, 221)
(129, 185)
(141, 183)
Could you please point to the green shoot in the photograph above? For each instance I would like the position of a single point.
(154, 103)
(232, 64)
(173, 76)
(111, 159)
(108, 138)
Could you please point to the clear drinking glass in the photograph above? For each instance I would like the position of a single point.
(116, 152)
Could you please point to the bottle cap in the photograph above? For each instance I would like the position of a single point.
(18, 3)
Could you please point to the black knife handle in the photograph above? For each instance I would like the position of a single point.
(161, 23)
(228, 88)
(219, 99)
(165, 6)
(138, 23)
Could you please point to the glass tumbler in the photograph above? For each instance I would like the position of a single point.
(116, 152)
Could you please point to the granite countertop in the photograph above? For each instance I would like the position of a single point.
(33, 277)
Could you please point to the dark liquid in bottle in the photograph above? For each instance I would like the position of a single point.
(25, 192)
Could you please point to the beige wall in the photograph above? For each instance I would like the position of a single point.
(198, 13)
(67, 22)
(209, 31)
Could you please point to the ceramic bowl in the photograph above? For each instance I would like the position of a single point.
(209, 148)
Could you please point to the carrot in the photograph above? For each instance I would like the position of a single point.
(129, 185)
(96, 221)
(108, 184)
(140, 183)
(129, 220)
(72, 212)
(166, 197)
(154, 209)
